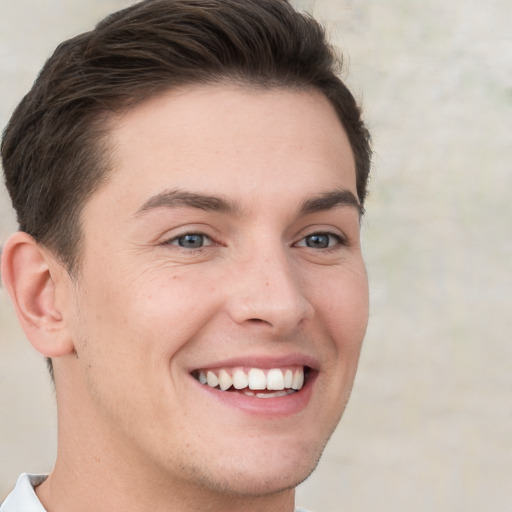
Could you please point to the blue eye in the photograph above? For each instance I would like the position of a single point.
(191, 241)
(320, 241)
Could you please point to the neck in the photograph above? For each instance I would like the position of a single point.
(61, 492)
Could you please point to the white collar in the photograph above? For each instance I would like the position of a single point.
(23, 498)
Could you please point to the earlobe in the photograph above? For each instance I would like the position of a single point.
(28, 277)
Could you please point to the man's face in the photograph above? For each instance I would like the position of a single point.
(225, 246)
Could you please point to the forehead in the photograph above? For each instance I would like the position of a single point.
(229, 139)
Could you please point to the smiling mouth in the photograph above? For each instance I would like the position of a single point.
(255, 382)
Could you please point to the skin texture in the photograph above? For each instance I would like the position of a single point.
(136, 430)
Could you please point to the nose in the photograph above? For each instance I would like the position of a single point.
(267, 291)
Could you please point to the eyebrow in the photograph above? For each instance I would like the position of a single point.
(177, 198)
(330, 200)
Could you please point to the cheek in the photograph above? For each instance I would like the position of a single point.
(342, 306)
(130, 330)
(153, 314)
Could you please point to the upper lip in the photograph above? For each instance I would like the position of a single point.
(263, 362)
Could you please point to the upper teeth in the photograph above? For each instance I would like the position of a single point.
(275, 379)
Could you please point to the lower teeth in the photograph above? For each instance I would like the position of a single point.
(273, 394)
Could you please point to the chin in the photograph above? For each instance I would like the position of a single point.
(256, 485)
(266, 474)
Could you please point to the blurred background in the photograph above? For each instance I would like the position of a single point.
(429, 425)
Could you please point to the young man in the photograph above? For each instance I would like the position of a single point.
(189, 179)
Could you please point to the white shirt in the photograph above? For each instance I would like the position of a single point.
(24, 499)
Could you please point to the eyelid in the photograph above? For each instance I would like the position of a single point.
(340, 239)
(174, 240)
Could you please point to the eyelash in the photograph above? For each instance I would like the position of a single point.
(338, 241)
(175, 241)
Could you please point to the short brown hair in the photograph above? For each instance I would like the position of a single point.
(53, 150)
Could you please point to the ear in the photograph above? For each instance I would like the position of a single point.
(31, 275)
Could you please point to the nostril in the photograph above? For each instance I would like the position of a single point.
(258, 321)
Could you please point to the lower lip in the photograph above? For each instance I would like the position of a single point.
(277, 406)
